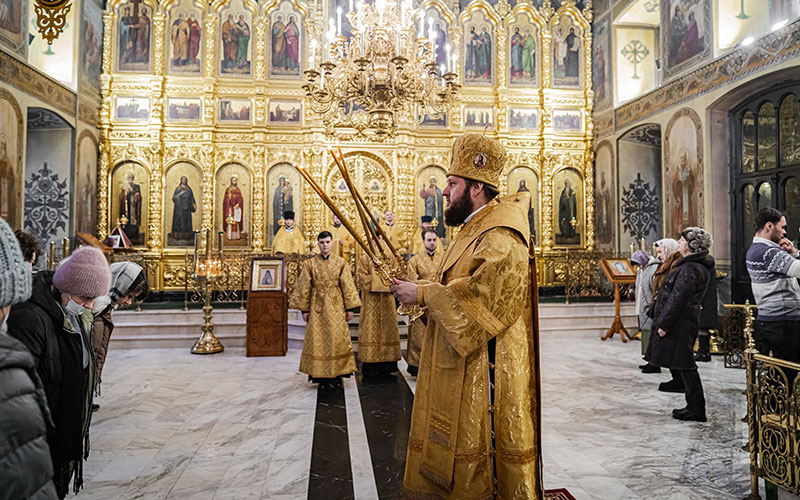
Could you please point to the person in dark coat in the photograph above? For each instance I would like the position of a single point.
(25, 468)
(128, 283)
(708, 320)
(55, 325)
(676, 317)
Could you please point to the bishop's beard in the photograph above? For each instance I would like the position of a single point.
(459, 210)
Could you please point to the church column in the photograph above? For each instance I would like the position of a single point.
(154, 223)
(588, 174)
(257, 239)
(312, 204)
(208, 164)
(405, 188)
(103, 174)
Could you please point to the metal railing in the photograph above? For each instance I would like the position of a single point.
(773, 409)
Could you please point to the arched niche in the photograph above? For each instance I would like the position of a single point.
(524, 178)
(568, 207)
(85, 195)
(605, 196)
(183, 203)
(429, 182)
(283, 193)
(233, 202)
(130, 197)
(12, 175)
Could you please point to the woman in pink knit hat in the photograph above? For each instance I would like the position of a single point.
(56, 326)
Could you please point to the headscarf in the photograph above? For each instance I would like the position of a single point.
(123, 274)
(668, 245)
(640, 258)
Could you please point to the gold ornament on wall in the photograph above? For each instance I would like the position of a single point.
(51, 17)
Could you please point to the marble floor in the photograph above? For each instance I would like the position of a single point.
(173, 425)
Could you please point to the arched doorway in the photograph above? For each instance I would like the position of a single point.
(640, 198)
(765, 153)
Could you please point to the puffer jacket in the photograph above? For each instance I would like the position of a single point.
(40, 324)
(25, 468)
(677, 312)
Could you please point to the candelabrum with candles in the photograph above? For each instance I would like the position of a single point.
(207, 270)
(385, 69)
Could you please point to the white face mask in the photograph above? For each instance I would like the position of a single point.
(73, 308)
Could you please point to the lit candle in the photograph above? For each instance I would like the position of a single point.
(339, 20)
(399, 51)
(220, 245)
(208, 244)
(643, 245)
(351, 5)
(322, 81)
(361, 43)
(420, 33)
(447, 49)
(196, 244)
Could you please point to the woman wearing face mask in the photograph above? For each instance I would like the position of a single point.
(25, 468)
(128, 283)
(55, 325)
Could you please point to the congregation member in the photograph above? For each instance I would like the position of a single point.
(417, 243)
(676, 318)
(773, 264)
(473, 432)
(288, 239)
(378, 335)
(423, 266)
(30, 246)
(55, 324)
(343, 242)
(25, 468)
(128, 284)
(326, 295)
(645, 296)
(667, 252)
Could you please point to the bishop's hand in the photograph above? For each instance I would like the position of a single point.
(405, 291)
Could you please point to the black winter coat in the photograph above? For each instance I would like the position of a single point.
(25, 468)
(677, 311)
(708, 314)
(40, 323)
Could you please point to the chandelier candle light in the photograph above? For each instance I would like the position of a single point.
(206, 273)
(385, 69)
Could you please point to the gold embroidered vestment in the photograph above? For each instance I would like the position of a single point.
(482, 293)
(378, 336)
(325, 289)
(420, 267)
(288, 241)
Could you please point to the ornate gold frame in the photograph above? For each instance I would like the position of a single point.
(159, 143)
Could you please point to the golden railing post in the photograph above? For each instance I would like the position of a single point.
(51, 257)
(752, 402)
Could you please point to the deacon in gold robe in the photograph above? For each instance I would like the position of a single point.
(394, 232)
(288, 239)
(422, 266)
(343, 241)
(417, 245)
(378, 335)
(326, 295)
(475, 416)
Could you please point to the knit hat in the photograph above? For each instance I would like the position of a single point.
(698, 239)
(85, 273)
(15, 273)
(668, 245)
(640, 258)
(478, 158)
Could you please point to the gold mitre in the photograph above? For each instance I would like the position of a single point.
(478, 158)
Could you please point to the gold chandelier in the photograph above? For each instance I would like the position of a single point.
(386, 70)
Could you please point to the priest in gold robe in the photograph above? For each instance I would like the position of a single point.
(326, 295)
(343, 242)
(378, 335)
(417, 244)
(474, 428)
(423, 266)
(288, 239)
(394, 232)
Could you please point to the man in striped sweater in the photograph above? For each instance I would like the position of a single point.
(773, 263)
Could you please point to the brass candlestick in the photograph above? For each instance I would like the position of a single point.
(206, 273)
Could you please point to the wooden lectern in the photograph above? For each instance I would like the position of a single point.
(619, 272)
(267, 308)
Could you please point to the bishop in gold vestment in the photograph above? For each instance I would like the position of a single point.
(288, 239)
(475, 416)
(422, 266)
(378, 335)
(326, 295)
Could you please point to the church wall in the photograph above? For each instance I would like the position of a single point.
(49, 183)
(640, 194)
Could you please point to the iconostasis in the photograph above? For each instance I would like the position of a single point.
(203, 117)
